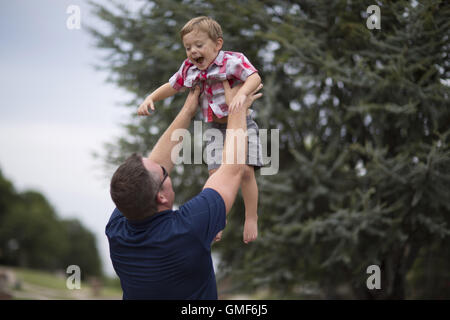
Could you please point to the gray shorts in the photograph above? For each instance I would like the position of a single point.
(254, 154)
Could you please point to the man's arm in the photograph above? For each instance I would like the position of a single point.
(162, 151)
(227, 179)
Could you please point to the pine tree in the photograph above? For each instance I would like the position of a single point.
(364, 134)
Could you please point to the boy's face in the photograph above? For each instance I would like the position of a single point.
(200, 49)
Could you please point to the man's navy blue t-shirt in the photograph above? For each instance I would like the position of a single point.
(168, 255)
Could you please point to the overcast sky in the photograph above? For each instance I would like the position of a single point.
(56, 109)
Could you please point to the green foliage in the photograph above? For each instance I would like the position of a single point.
(364, 135)
(31, 230)
(31, 234)
(83, 248)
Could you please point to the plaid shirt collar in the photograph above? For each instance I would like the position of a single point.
(219, 58)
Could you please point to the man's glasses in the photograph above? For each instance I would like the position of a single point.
(165, 175)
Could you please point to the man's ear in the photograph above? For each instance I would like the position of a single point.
(161, 199)
(219, 44)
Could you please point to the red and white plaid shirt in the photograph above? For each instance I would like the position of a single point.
(233, 66)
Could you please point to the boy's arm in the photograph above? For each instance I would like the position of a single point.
(163, 92)
(250, 85)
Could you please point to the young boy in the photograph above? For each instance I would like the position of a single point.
(207, 66)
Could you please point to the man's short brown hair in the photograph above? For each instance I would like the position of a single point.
(205, 24)
(133, 189)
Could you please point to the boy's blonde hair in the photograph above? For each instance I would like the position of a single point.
(205, 24)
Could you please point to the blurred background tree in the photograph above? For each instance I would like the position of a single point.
(364, 137)
(82, 250)
(33, 236)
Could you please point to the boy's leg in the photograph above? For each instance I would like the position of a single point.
(249, 190)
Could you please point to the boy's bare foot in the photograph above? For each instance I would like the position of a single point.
(250, 229)
(218, 236)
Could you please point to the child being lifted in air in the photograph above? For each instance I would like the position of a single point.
(207, 65)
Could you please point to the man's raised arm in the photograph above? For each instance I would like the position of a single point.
(162, 151)
(227, 179)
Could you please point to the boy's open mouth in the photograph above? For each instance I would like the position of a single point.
(199, 60)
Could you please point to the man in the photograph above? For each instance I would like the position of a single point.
(159, 253)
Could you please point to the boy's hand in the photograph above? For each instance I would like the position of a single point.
(230, 94)
(237, 102)
(143, 108)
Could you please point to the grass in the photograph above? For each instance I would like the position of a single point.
(41, 278)
(41, 285)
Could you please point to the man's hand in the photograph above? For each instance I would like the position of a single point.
(143, 108)
(191, 102)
